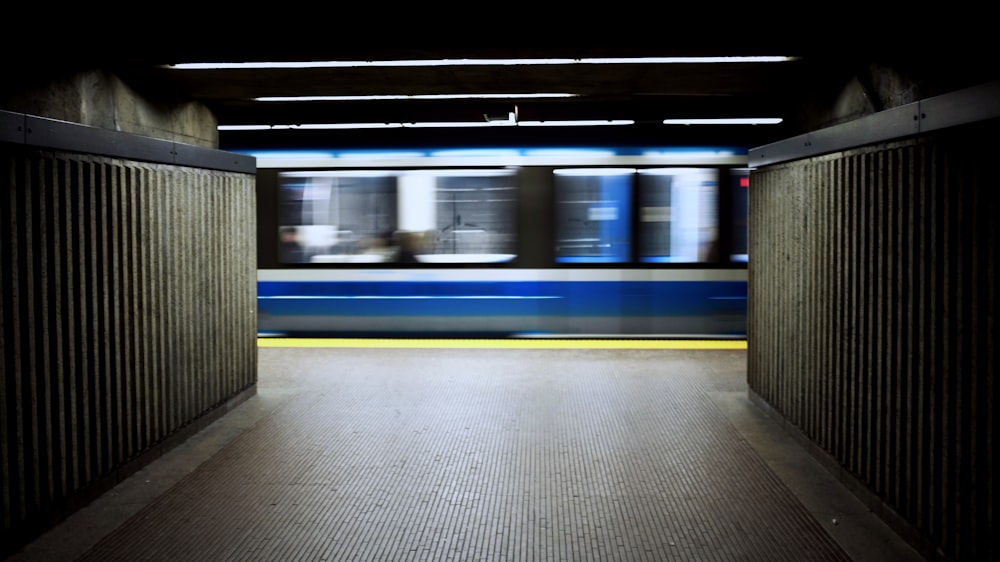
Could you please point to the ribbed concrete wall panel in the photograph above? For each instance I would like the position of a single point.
(872, 304)
(127, 315)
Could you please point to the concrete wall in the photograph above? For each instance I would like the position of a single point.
(98, 98)
(872, 307)
(127, 308)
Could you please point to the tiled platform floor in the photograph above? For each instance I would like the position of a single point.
(483, 454)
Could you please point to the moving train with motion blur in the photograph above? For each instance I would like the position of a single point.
(518, 242)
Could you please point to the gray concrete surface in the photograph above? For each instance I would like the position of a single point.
(483, 454)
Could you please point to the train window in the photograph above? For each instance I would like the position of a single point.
(678, 215)
(593, 218)
(335, 216)
(474, 216)
(430, 216)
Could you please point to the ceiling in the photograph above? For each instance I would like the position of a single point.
(646, 93)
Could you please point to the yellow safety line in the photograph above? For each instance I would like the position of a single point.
(512, 343)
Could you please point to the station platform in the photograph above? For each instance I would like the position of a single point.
(498, 450)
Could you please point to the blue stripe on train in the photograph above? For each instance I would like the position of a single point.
(502, 298)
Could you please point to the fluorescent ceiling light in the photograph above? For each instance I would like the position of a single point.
(451, 124)
(511, 122)
(579, 123)
(425, 125)
(725, 121)
(346, 126)
(474, 62)
(415, 97)
(244, 127)
(309, 126)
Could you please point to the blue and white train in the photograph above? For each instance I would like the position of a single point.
(621, 243)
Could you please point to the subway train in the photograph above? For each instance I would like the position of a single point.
(510, 242)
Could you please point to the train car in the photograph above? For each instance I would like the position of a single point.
(514, 242)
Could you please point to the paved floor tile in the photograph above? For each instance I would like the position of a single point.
(482, 454)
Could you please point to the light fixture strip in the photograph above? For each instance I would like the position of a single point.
(389, 97)
(725, 121)
(577, 123)
(500, 123)
(475, 62)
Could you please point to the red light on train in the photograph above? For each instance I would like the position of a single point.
(744, 182)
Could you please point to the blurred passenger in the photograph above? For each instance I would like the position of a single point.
(410, 244)
(290, 249)
(708, 250)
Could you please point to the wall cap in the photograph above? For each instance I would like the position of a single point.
(42, 132)
(970, 105)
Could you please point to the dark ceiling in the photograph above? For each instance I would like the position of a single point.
(646, 93)
(641, 92)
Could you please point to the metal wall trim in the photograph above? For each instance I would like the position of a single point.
(11, 127)
(42, 132)
(970, 105)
